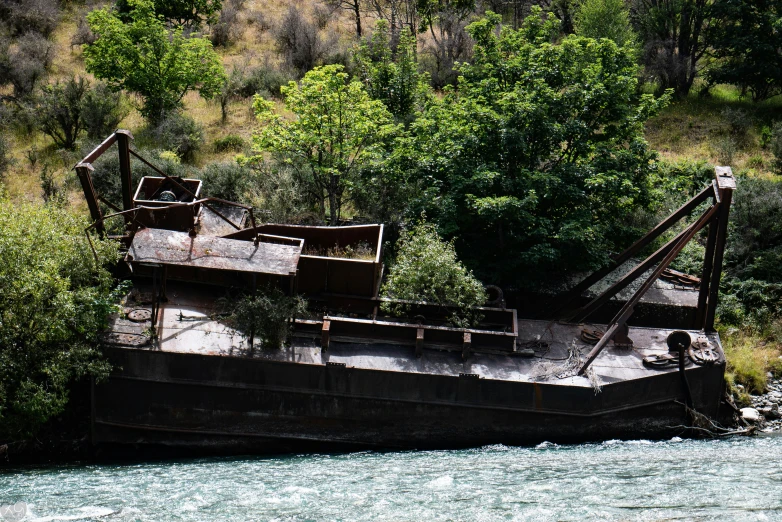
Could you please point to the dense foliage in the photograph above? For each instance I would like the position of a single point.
(427, 269)
(605, 19)
(265, 315)
(53, 303)
(674, 34)
(145, 57)
(747, 45)
(191, 14)
(391, 75)
(535, 161)
(337, 129)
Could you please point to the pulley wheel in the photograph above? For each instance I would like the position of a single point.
(678, 340)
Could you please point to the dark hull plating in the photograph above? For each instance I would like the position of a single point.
(228, 404)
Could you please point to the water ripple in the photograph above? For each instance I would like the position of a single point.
(734, 479)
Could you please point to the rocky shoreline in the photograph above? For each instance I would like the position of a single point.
(765, 409)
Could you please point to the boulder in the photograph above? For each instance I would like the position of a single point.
(750, 414)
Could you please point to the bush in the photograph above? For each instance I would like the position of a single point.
(775, 144)
(266, 315)
(54, 302)
(299, 42)
(322, 16)
(83, 34)
(31, 16)
(59, 111)
(451, 45)
(231, 142)
(5, 155)
(277, 196)
(258, 20)
(739, 122)
(181, 134)
(605, 19)
(227, 28)
(264, 80)
(755, 246)
(188, 14)
(103, 110)
(26, 65)
(228, 180)
(683, 178)
(426, 269)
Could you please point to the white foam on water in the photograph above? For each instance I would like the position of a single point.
(85, 513)
(301, 490)
(546, 445)
(440, 482)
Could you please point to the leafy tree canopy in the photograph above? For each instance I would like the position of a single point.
(53, 303)
(179, 13)
(747, 43)
(427, 269)
(538, 158)
(605, 19)
(337, 129)
(392, 76)
(145, 57)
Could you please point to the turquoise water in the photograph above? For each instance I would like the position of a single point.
(735, 479)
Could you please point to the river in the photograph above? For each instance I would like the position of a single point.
(734, 479)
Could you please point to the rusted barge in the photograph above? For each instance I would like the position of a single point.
(352, 377)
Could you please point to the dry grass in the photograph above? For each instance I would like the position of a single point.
(750, 358)
(695, 128)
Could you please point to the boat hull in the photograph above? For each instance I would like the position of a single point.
(232, 404)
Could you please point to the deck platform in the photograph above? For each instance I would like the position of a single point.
(188, 323)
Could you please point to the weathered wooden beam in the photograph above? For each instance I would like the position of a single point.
(624, 314)
(123, 149)
(466, 346)
(726, 184)
(324, 335)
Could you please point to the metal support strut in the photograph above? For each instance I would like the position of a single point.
(716, 217)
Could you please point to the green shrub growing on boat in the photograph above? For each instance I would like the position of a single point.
(426, 269)
(265, 315)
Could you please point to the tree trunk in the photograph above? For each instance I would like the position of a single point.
(333, 200)
(357, 12)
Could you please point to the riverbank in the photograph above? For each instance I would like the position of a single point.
(765, 408)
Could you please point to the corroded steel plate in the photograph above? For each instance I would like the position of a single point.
(140, 315)
(126, 339)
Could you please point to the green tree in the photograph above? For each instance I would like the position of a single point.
(605, 19)
(337, 129)
(538, 158)
(145, 57)
(747, 46)
(54, 301)
(189, 14)
(674, 35)
(427, 269)
(59, 111)
(392, 76)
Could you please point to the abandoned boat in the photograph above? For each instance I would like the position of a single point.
(352, 377)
